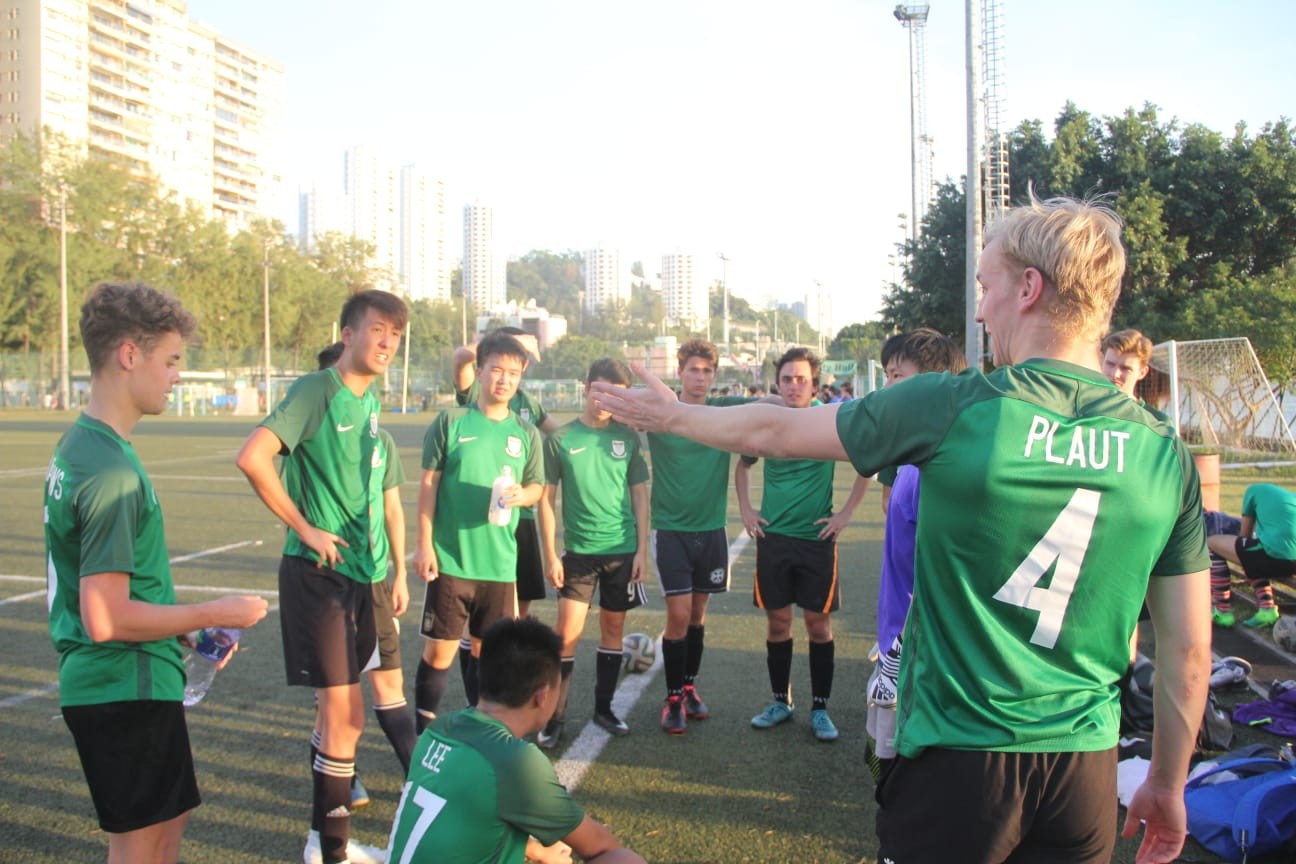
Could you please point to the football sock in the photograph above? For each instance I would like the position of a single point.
(696, 638)
(564, 688)
(1221, 593)
(778, 658)
(1264, 594)
(469, 672)
(607, 666)
(429, 687)
(314, 753)
(821, 673)
(674, 656)
(398, 725)
(331, 804)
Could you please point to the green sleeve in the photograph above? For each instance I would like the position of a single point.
(301, 411)
(109, 506)
(538, 413)
(435, 442)
(394, 475)
(1185, 551)
(534, 470)
(553, 456)
(637, 472)
(887, 476)
(905, 423)
(531, 799)
(1249, 502)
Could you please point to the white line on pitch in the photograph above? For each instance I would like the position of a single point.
(20, 597)
(33, 472)
(29, 695)
(217, 550)
(583, 752)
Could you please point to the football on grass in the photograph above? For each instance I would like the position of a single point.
(639, 652)
(1284, 633)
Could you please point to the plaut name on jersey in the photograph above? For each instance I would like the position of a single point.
(1097, 449)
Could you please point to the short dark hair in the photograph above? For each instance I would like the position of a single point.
(518, 657)
(791, 355)
(610, 370)
(1129, 342)
(116, 312)
(931, 351)
(387, 304)
(891, 347)
(697, 348)
(330, 355)
(499, 342)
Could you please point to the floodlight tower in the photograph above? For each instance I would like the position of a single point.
(913, 17)
(995, 177)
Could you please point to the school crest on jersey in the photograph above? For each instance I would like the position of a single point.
(618, 449)
(513, 447)
(373, 425)
(377, 461)
(525, 414)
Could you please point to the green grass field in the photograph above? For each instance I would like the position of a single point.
(722, 793)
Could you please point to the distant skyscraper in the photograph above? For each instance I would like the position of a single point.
(603, 283)
(373, 210)
(483, 268)
(423, 268)
(686, 302)
(141, 85)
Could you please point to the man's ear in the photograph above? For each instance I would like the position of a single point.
(127, 353)
(1031, 289)
(541, 696)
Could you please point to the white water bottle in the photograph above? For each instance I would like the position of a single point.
(499, 513)
(211, 646)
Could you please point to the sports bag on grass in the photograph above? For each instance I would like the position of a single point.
(1251, 815)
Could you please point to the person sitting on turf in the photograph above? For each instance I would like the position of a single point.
(477, 791)
(1264, 545)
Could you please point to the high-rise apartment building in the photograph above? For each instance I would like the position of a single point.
(371, 210)
(603, 283)
(686, 302)
(140, 84)
(422, 236)
(484, 276)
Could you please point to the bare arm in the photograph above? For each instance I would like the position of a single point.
(597, 845)
(109, 613)
(256, 461)
(425, 563)
(547, 515)
(463, 367)
(836, 523)
(751, 518)
(394, 525)
(643, 527)
(1248, 527)
(1180, 608)
(549, 425)
(757, 429)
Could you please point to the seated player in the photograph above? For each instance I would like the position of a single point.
(1265, 547)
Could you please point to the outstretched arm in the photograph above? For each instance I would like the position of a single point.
(757, 429)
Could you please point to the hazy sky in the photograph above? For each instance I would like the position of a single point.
(775, 133)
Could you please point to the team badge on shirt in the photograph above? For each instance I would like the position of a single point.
(514, 446)
(373, 425)
(619, 449)
(525, 414)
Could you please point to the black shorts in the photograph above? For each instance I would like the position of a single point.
(1258, 564)
(791, 570)
(136, 760)
(1034, 807)
(452, 601)
(389, 656)
(530, 564)
(691, 561)
(327, 621)
(610, 573)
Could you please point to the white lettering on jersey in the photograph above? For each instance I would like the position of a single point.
(1096, 455)
(54, 481)
(435, 755)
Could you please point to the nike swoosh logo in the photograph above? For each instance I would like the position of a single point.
(464, 438)
(342, 428)
(577, 450)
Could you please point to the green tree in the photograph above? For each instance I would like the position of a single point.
(932, 294)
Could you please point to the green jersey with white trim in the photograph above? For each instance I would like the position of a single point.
(328, 436)
(522, 404)
(469, 450)
(797, 493)
(102, 516)
(475, 793)
(1047, 499)
(596, 467)
(388, 473)
(690, 487)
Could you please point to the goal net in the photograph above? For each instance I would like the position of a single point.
(1218, 396)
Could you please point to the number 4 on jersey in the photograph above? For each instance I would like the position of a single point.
(1065, 542)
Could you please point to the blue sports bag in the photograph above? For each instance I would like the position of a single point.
(1252, 815)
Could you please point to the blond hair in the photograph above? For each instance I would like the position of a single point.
(1076, 247)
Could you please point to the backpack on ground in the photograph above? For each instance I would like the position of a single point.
(1253, 814)
(1214, 735)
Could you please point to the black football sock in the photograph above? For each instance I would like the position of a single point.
(429, 687)
(331, 804)
(821, 673)
(398, 725)
(696, 639)
(674, 657)
(607, 667)
(778, 658)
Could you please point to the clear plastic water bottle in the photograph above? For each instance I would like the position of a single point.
(499, 514)
(211, 646)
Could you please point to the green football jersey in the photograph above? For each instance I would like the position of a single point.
(522, 404)
(102, 516)
(596, 467)
(469, 450)
(388, 473)
(797, 493)
(1047, 498)
(329, 435)
(690, 487)
(474, 795)
(1274, 510)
